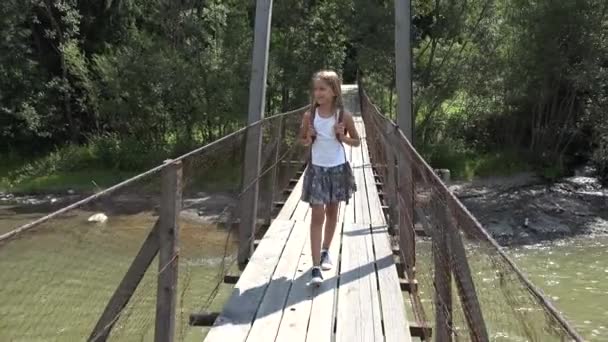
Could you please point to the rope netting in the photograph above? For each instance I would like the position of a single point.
(59, 272)
(468, 288)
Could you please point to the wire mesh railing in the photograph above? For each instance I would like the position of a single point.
(92, 269)
(467, 286)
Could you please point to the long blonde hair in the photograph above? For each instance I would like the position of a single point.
(333, 80)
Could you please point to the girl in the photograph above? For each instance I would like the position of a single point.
(328, 178)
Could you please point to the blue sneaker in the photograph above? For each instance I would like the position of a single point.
(317, 276)
(326, 263)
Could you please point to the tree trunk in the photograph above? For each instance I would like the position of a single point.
(284, 97)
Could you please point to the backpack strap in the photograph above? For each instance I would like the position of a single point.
(313, 113)
(313, 110)
(340, 120)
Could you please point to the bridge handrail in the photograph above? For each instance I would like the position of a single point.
(105, 192)
(465, 216)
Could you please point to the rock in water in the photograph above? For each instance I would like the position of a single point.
(98, 218)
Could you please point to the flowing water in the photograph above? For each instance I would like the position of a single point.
(574, 274)
(57, 280)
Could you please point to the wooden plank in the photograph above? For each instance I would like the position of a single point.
(362, 208)
(396, 326)
(238, 313)
(408, 285)
(307, 217)
(292, 201)
(363, 147)
(322, 317)
(361, 205)
(270, 312)
(376, 211)
(358, 312)
(168, 255)
(299, 302)
(421, 330)
(349, 209)
(301, 210)
(203, 319)
(127, 286)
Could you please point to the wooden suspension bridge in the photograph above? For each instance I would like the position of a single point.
(361, 298)
(372, 293)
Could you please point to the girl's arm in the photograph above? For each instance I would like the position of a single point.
(306, 130)
(353, 136)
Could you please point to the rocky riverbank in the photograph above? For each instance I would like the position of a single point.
(518, 209)
(523, 209)
(202, 207)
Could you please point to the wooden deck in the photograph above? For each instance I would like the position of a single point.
(359, 300)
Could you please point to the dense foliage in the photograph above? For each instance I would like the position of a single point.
(137, 80)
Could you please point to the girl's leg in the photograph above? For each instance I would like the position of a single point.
(331, 218)
(316, 226)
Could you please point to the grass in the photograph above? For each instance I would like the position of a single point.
(79, 181)
(465, 164)
(56, 173)
(105, 161)
(89, 168)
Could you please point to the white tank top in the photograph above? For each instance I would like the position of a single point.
(327, 151)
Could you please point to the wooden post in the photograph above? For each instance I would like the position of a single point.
(443, 276)
(274, 172)
(168, 257)
(257, 94)
(403, 66)
(391, 175)
(403, 73)
(127, 287)
(411, 200)
(403, 184)
(466, 286)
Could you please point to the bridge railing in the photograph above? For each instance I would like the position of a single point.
(134, 261)
(467, 286)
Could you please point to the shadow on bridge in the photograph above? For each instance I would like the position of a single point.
(383, 229)
(295, 296)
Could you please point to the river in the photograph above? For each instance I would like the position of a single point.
(52, 265)
(574, 273)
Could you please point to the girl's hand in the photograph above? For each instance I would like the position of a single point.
(311, 131)
(307, 141)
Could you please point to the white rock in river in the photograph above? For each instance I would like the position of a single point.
(99, 218)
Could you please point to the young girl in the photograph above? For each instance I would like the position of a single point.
(328, 179)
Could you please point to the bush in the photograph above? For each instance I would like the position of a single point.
(68, 158)
(127, 153)
(101, 153)
(465, 163)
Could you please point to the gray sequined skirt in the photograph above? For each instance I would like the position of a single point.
(324, 185)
